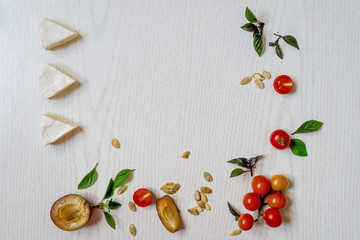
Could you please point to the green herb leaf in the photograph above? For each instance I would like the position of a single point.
(249, 27)
(233, 212)
(291, 41)
(122, 177)
(258, 44)
(109, 219)
(89, 179)
(309, 126)
(298, 147)
(113, 205)
(237, 160)
(236, 172)
(250, 16)
(279, 52)
(110, 189)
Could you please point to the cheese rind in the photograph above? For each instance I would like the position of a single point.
(54, 128)
(52, 81)
(53, 34)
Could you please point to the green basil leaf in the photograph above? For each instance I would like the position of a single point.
(122, 177)
(110, 189)
(233, 212)
(279, 52)
(250, 16)
(110, 220)
(113, 205)
(258, 44)
(89, 179)
(298, 147)
(236, 172)
(291, 41)
(309, 126)
(237, 160)
(249, 27)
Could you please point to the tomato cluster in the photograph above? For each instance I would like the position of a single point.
(265, 192)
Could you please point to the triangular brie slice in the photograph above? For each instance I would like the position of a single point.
(52, 81)
(53, 34)
(53, 128)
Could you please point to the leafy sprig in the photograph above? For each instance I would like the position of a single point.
(288, 39)
(297, 146)
(248, 164)
(256, 27)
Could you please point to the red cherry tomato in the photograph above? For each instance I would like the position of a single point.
(246, 221)
(283, 84)
(273, 217)
(260, 185)
(251, 201)
(142, 197)
(280, 139)
(277, 200)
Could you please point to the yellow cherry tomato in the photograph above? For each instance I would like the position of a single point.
(279, 183)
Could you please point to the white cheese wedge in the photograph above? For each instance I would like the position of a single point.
(53, 34)
(52, 81)
(53, 128)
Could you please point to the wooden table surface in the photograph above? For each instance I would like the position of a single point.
(163, 77)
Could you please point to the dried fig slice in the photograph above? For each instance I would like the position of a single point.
(70, 212)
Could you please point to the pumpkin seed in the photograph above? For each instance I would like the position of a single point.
(193, 211)
(207, 207)
(168, 185)
(266, 74)
(245, 80)
(185, 155)
(235, 232)
(197, 208)
(258, 76)
(259, 83)
(203, 197)
(201, 204)
(132, 206)
(197, 195)
(122, 189)
(132, 230)
(115, 143)
(208, 177)
(176, 187)
(206, 190)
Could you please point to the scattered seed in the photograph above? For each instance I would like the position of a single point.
(168, 185)
(207, 207)
(266, 74)
(245, 80)
(235, 232)
(115, 143)
(193, 211)
(185, 155)
(206, 190)
(122, 189)
(203, 197)
(201, 204)
(132, 206)
(132, 230)
(259, 83)
(208, 177)
(197, 195)
(176, 187)
(258, 76)
(197, 208)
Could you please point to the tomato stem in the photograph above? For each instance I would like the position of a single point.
(263, 203)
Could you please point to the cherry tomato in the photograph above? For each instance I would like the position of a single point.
(279, 183)
(277, 200)
(283, 84)
(273, 217)
(246, 221)
(260, 185)
(280, 139)
(251, 201)
(142, 197)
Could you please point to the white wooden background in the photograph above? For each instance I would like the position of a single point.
(163, 77)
